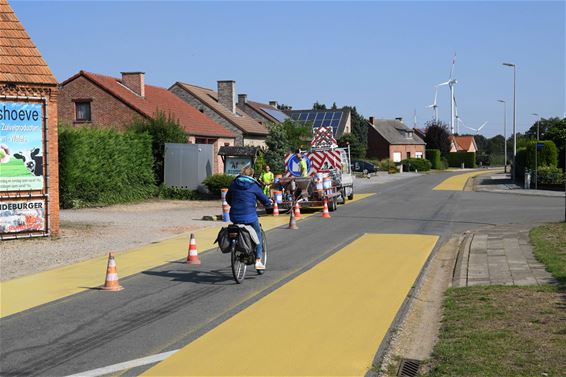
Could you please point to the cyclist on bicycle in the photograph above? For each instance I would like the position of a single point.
(242, 196)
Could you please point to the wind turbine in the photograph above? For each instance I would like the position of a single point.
(451, 82)
(434, 106)
(478, 129)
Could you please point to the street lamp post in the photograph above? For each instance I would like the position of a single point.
(536, 151)
(514, 117)
(504, 133)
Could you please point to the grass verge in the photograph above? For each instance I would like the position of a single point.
(507, 330)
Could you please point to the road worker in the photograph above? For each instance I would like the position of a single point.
(267, 178)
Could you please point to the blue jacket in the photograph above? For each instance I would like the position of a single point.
(242, 196)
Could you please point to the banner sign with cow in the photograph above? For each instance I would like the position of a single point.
(21, 146)
(22, 216)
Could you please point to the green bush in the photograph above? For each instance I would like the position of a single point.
(180, 194)
(455, 159)
(418, 164)
(162, 130)
(433, 155)
(387, 165)
(103, 166)
(520, 163)
(216, 182)
(550, 175)
(443, 163)
(547, 156)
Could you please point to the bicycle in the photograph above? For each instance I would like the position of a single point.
(241, 259)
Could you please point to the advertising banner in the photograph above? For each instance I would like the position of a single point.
(21, 146)
(234, 165)
(22, 216)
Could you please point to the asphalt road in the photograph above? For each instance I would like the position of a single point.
(167, 307)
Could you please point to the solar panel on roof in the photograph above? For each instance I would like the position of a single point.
(311, 116)
(279, 115)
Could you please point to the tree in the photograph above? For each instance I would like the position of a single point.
(356, 149)
(359, 131)
(334, 107)
(282, 106)
(553, 129)
(278, 146)
(163, 129)
(318, 106)
(437, 136)
(298, 134)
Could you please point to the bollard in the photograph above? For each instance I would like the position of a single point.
(225, 206)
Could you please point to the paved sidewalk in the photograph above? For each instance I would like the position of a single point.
(502, 183)
(500, 255)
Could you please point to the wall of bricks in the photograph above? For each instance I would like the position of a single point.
(106, 110)
(51, 168)
(199, 105)
(406, 148)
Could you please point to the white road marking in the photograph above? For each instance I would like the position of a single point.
(125, 365)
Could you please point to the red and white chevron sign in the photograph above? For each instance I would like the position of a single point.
(323, 138)
(321, 161)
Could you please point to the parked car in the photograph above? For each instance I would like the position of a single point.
(363, 166)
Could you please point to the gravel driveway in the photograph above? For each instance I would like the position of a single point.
(92, 232)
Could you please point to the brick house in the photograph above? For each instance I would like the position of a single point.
(392, 139)
(103, 101)
(27, 83)
(221, 107)
(261, 112)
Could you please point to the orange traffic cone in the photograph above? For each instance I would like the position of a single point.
(275, 208)
(292, 221)
(325, 213)
(298, 215)
(111, 284)
(193, 258)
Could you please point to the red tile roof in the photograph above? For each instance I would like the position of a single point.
(20, 60)
(463, 143)
(241, 120)
(159, 99)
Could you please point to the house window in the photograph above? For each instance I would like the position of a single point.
(419, 154)
(408, 154)
(396, 156)
(205, 140)
(82, 111)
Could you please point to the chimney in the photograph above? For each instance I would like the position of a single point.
(273, 103)
(227, 94)
(372, 120)
(242, 99)
(400, 119)
(135, 82)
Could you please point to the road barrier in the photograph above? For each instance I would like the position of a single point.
(192, 257)
(111, 283)
(298, 215)
(225, 206)
(292, 221)
(325, 213)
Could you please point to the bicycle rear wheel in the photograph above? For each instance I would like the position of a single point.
(264, 256)
(238, 266)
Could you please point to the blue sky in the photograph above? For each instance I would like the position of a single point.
(383, 57)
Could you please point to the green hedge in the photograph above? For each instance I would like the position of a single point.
(550, 175)
(455, 159)
(547, 156)
(218, 181)
(102, 166)
(180, 194)
(418, 164)
(433, 155)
